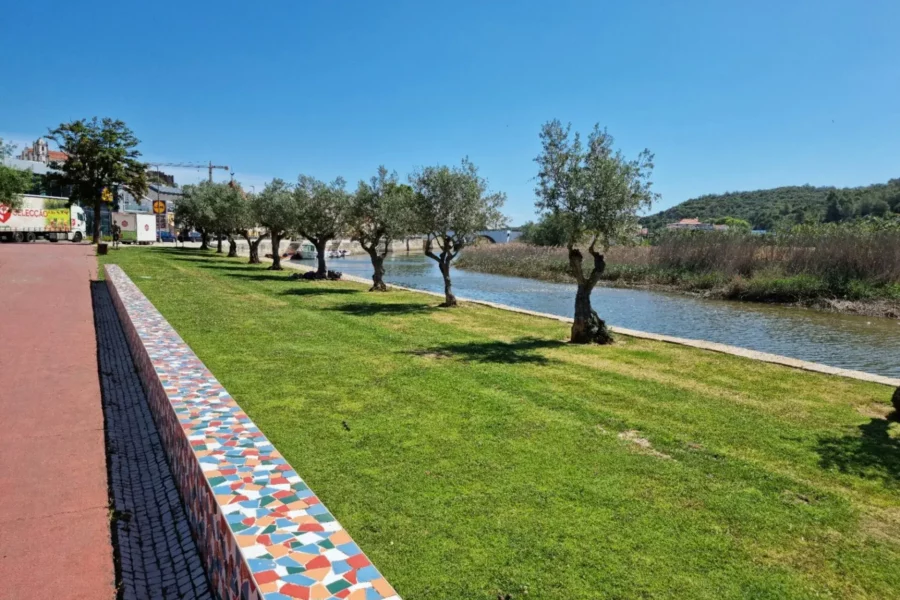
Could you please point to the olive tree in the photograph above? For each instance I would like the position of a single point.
(101, 154)
(275, 210)
(249, 230)
(195, 210)
(379, 213)
(322, 210)
(231, 212)
(451, 205)
(595, 193)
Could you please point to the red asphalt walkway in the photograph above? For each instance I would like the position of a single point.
(54, 520)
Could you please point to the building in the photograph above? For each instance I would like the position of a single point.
(161, 178)
(695, 225)
(40, 152)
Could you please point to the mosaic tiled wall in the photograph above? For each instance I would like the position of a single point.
(263, 533)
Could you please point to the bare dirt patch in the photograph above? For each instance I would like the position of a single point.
(641, 444)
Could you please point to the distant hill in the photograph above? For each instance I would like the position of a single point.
(766, 209)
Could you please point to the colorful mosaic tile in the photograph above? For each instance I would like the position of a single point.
(264, 534)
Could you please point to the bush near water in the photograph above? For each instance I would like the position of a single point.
(850, 261)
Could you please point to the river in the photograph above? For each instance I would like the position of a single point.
(870, 344)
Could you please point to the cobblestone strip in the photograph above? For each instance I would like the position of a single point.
(701, 344)
(155, 554)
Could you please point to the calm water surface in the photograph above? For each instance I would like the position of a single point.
(869, 344)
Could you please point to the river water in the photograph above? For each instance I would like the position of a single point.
(869, 344)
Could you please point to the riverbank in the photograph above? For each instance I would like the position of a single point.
(468, 449)
(636, 268)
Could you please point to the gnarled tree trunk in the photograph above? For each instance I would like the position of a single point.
(588, 327)
(219, 242)
(322, 269)
(232, 247)
(204, 240)
(378, 284)
(254, 246)
(449, 298)
(276, 253)
(449, 250)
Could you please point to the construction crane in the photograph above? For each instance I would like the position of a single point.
(209, 166)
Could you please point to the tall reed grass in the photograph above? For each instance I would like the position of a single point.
(850, 261)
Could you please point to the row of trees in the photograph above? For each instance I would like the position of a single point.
(590, 190)
(449, 205)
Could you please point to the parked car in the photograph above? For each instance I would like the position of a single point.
(192, 236)
(165, 236)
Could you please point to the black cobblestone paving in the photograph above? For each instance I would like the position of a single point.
(156, 557)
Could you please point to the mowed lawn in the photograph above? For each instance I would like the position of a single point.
(472, 453)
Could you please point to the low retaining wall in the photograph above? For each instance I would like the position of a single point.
(263, 533)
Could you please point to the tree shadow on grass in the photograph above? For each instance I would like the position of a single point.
(316, 291)
(521, 351)
(203, 260)
(236, 268)
(870, 454)
(368, 309)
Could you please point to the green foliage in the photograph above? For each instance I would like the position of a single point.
(322, 208)
(550, 230)
(101, 154)
(452, 204)
(733, 224)
(274, 208)
(380, 211)
(786, 206)
(594, 191)
(231, 211)
(196, 210)
(483, 456)
(13, 182)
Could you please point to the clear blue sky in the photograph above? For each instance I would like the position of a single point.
(728, 95)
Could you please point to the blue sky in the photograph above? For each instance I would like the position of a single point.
(728, 95)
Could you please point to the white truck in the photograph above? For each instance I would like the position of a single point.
(47, 217)
(137, 228)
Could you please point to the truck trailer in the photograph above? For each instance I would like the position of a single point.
(47, 217)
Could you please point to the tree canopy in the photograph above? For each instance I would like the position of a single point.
(275, 209)
(196, 209)
(101, 154)
(380, 212)
(595, 193)
(322, 211)
(451, 205)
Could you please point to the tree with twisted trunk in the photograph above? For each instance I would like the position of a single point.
(379, 213)
(451, 205)
(321, 213)
(594, 193)
(275, 210)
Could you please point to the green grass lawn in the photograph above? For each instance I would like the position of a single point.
(472, 453)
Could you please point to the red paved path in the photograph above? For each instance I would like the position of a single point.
(54, 524)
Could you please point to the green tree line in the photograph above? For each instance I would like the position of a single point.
(785, 206)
